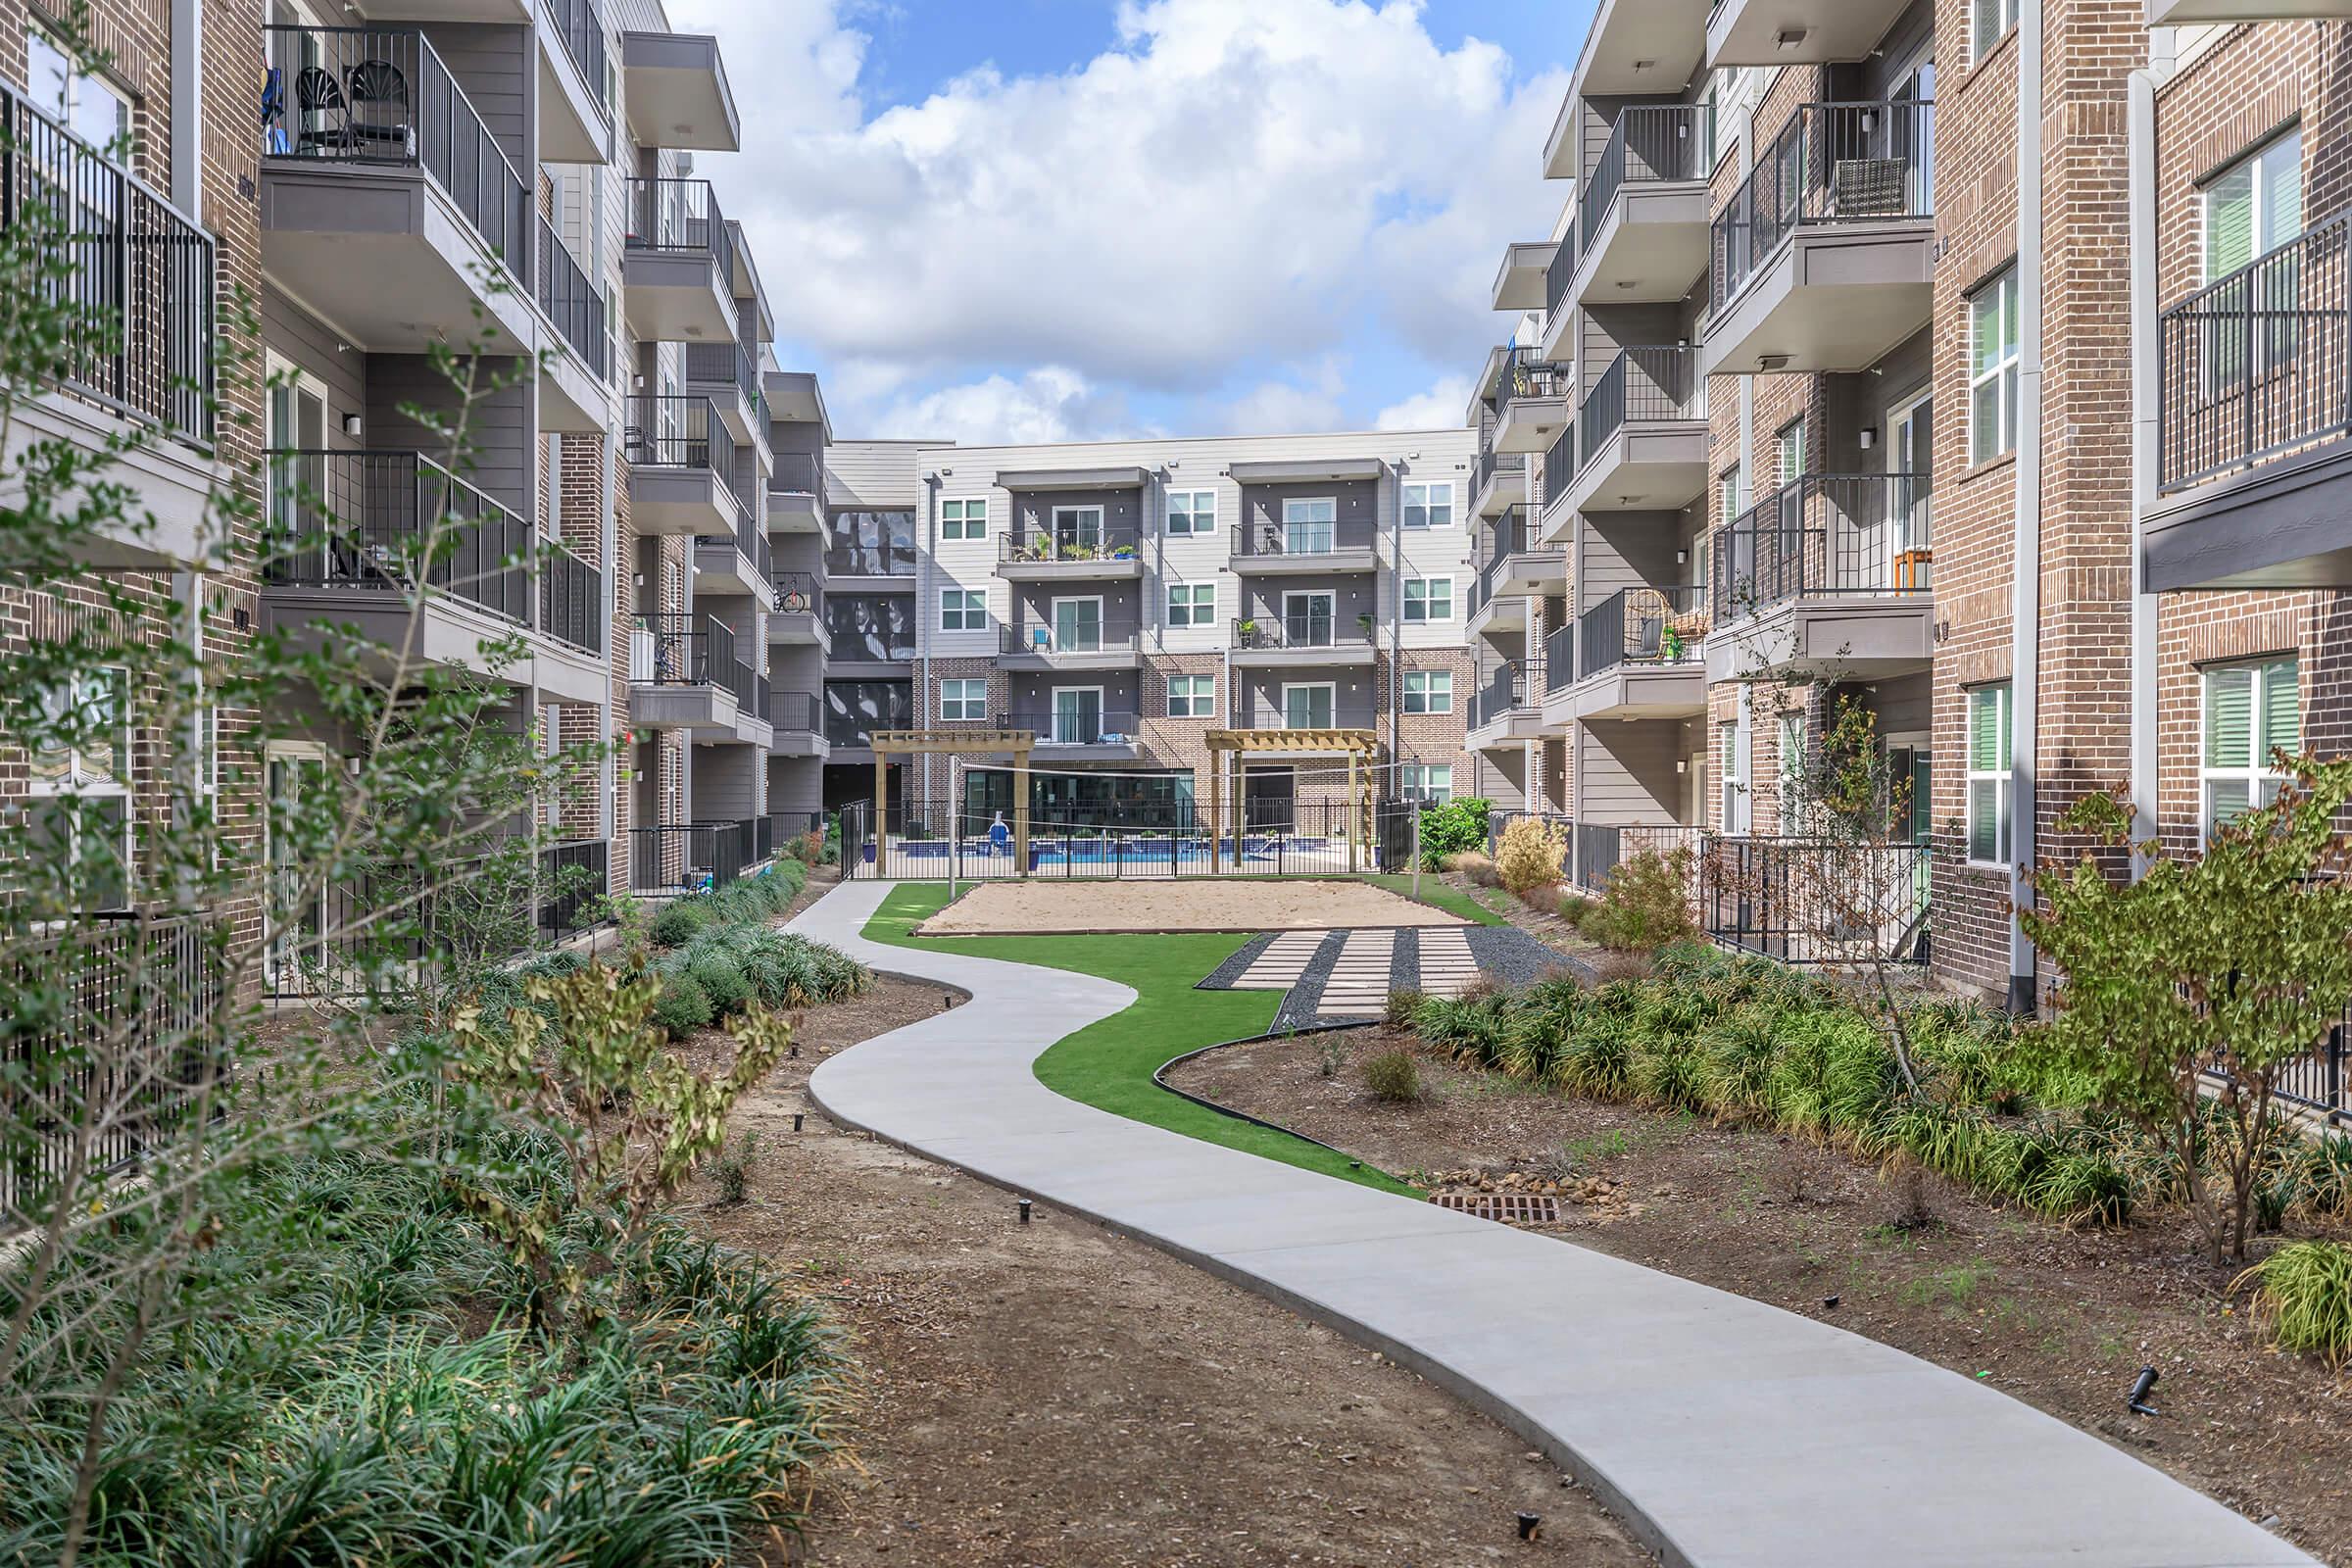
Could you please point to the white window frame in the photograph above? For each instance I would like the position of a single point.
(2260, 780)
(1427, 503)
(963, 518)
(958, 605)
(1053, 710)
(1737, 804)
(1998, 776)
(75, 82)
(1310, 595)
(1198, 704)
(962, 688)
(1788, 452)
(1982, 40)
(2259, 215)
(1187, 505)
(87, 785)
(1792, 746)
(1290, 522)
(1435, 695)
(1424, 618)
(1186, 596)
(2000, 291)
(1416, 781)
(1101, 529)
(1330, 704)
(1054, 611)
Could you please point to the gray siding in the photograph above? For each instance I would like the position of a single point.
(494, 68)
(301, 338)
(501, 436)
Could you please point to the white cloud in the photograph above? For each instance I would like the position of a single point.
(1437, 409)
(1237, 184)
(1052, 403)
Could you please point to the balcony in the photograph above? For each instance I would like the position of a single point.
(1828, 579)
(139, 278)
(1530, 400)
(1504, 711)
(677, 268)
(384, 197)
(1076, 728)
(1301, 641)
(353, 534)
(1513, 567)
(1519, 286)
(674, 91)
(723, 374)
(575, 388)
(681, 462)
(1307, 706)
(2255, 425)
(1826, 258)
(1303, 547)
(574, 126)
(1797, 32)
(795, 719)
(1804, 901)
(1498, 482)
(1642, 435)
(1634, 48)
(685, 674)
(1080, 548)
(1642, 657)
(735, 563)
(1559, 300)
(684, 857)
(1077, 634)
(799, 619)
(1644, 215)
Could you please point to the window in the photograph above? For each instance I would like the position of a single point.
(1429, 785)
(1793, 770)
(1429, 506)
(1310, 526)
(1429, 691)
(2250, 712)
(1192, 603)
(1307, 706)
(963, 699)
(77, 806)
(2254, 206)
(1992, 368)
(1731, 495)
(963, 520)
(1990, 25)
(1732, 743)
(1788, 448)
(1192, 512)
(963, 610)
(1428, 599)
(869, 544)
(90, 108)
(1191, 696)
(1989, 774)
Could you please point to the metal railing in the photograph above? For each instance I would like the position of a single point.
(1525, 373)
(1809, 900)
(574, 304)
(1820, 535)
(1068, 541)
(1270, 537)
(1644, 626)
(136, 276)
(687, 649)
(1509, 536)
(1492, 462)
(574, 22)
(795, 473)
(576, 876)
(1081, 725)
(799, 593)
(1563, 827)
(784, 827)
(692, 857)
(1559, 658)
(1559, 464)
(1113, 632)
(681, 215)
(677, 432)
(1650, 144)
(1560, 277)
(729, 669)
(1641, 385)
(792, 713)
(1601, 848)
(361, 519)
(1505, 691)
(727, 364)
(1839, 162)
(382, 95)
(1297, 710)
(1301, 631)
(571, 600)
(2259, 362)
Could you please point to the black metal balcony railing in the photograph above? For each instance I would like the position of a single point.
(574, 304)
(1560, 277)
(1509, 536)
(747, 540)
(1650, 144)
(681, 215)
(677, 432)
(692, 857)
(723, 364)
(1831, 164)
(1559, 658)
(758, 706)
(1297, 708)
(795, 473)
(1297, 631)
(576, 876)
(1115, 631)
(1504, 691)
(1601, 848)
(1560, 464)
(1823, 535)
(1804, 900)
(571, 600)
(135, 275)
(1641, 385)
(799, 593)
(574, 22)
(792, 713)
(1072, 724)
(382, 95)
(1526, 373)
(367, 520)
(729, 669)
(1492, 462)
(1068, 541)
(2259, 362)
(691, 650)
(1644, 626)
(1269, 537)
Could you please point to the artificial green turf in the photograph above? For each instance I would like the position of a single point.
(1110, 1064)
(1439, 895)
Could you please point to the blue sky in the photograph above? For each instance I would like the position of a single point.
(1025, 219)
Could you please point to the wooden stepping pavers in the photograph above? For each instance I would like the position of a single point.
(1283, 964)
(1358, 985)
(1447, 967)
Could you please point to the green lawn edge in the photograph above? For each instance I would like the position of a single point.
(1438, 895)
(1110, 1064)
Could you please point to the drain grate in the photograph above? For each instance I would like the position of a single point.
(1509, 1209)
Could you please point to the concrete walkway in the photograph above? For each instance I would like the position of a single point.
(1727, 1433)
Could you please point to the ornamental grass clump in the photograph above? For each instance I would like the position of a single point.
(2303, 1295)
(1393, 1078)
(1531, 855)
(1645, 905)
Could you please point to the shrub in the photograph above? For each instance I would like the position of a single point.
(1452, 829)
(679, 922)
(731, 1168)
(1402, 1005)
(722, 981)
(1476, 867)
(682, 1007)
(1530, 854)
(2303, 1295)
(809, 847)
(1644, 906)
(1394, 1077)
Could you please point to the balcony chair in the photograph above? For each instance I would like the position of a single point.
(379, 101)
(322, 124)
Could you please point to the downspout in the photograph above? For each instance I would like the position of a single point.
(2024, 591)
(923, 591)
(2146, 412)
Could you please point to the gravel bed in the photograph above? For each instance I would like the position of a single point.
(1298, 1009)
(1222, 977)
(1515, 958)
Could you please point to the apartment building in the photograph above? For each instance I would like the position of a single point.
(1121, 600)
(1789, 235)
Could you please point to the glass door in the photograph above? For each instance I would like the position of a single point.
(1077, 625)
(1913, 431)
(1077, 534)
(1310, 527)
(1307, 706)
(1913, 135)
(1078, 716)
(1308, 619)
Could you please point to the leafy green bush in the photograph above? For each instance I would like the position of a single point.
(722, 981)
(1452, 829)
(1644, 906)
(679, 922)
(1394, 1077)
(2303, 1295)
(683, 1005)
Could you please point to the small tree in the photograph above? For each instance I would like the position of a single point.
(2220, 970)
(1452, 829)
(1531, 854)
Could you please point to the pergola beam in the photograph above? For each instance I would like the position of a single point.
(953, 743)
(1233, 749)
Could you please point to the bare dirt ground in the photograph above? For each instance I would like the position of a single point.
(1057, 1396)
(2061, 1319)
(1032, 909)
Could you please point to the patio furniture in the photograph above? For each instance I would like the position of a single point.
(323, 122)
(379, 101)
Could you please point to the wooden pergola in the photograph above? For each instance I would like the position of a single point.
(888, 743)
(1231, 749)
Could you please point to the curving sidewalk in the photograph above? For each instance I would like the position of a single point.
(1725, 1431)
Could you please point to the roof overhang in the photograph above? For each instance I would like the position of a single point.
(1306, 471)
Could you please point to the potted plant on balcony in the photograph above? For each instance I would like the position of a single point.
(1363, 624)
(1670, 644)
(1122, 553)
(1248, 632)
